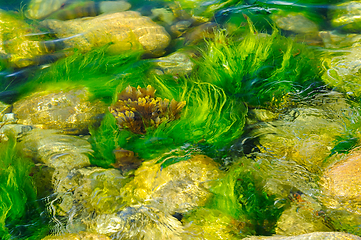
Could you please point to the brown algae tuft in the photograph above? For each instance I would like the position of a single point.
(138, 108)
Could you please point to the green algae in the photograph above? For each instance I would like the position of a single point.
(17, 195)
(208, 118)
(241, 195)
(96, 70)
(261, 69)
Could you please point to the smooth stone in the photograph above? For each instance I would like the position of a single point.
(342, 183)
(180, 187)
(58, 151)
(68, 111)
(125, 30)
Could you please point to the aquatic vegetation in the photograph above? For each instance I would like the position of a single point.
(236, 19)
(261, 69)
(209, 118)
(95, 70)
(343, 221)
(241, 194)
(137, 108)
(17, 193)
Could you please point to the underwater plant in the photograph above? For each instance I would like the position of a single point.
(260, 69)
(138, 108)
(240, 194)
(209, 118)
(95, 70)
(17, 195)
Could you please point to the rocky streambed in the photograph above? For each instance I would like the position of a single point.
(180, 120)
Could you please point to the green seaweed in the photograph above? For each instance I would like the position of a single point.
(17, 194)
(261, 69)
(208, 118)
(104, 141)
(96, 70)
(240, 194)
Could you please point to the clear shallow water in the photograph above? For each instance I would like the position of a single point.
(267, 111)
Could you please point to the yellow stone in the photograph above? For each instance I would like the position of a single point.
(15, 44)
(125, 30)
(69, 111)
(181, 186)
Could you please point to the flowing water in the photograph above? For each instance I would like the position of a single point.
(186, 119)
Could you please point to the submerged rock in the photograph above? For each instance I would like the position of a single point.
(346, 15)
(124, 30)
(334, 39)
(68, 111)
(208, 224)
(104, 201)
(65, 9)
(78, 236)
(17, 130)
(139, 222)
(311, 236)
(342, 184)
(295, 22)
(61, 152)
(180, 186)
(304, 134)
(17, 45)
(89, 190)
(176, 64)
(301, 218)
(342, 70)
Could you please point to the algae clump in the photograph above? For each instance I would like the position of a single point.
(241, 195)
(17, 194)
(208, 118)
(261, 69)
(95, 70)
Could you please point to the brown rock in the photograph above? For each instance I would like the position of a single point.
(342, 183)
(125, 30)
